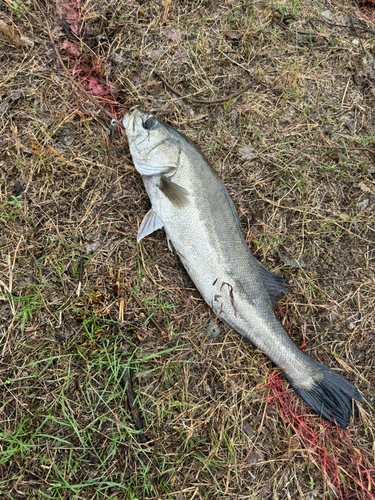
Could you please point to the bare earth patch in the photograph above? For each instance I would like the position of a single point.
(81, 304)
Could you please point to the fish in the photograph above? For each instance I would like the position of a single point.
(202, 227)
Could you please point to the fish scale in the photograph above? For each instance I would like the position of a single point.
(203, 227)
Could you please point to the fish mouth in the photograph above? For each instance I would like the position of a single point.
(131, 122)
(126, 119)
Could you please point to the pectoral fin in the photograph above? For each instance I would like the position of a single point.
(176, 194)
(150, 223)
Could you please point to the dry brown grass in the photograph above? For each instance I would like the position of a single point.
(80, 302)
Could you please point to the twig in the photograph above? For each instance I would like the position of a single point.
(301, 33)
(283, 26)
(356, 149)
(127, 384)
(68, 31)
(359, 38)
(97, 209)
(19, 41)
(369, 30)
(212, 101)
(80, 276)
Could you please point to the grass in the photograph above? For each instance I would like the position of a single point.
(77, 375)
(81, 303)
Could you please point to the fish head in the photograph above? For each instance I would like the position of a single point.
(155, 147)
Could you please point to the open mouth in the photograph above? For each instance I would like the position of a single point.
(125, 120)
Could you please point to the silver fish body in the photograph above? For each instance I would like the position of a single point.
(202, 225)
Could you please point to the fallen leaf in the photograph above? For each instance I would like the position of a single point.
(362, 186)
(153, 88)
(246, 153)
(17, 188)
(293, 263)
(362, 205)
(154, 54)
(92, 247)
(253, 458)
(173, 34)
(350, 125)
(180, 56)
(234, 36)
(11, 98)
(248, 429)
(345, 217)
(327, 14)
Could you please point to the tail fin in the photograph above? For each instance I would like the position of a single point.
(332, 396)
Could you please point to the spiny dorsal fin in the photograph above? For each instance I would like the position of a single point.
(176, 194)
(274, 284)
(150, 223)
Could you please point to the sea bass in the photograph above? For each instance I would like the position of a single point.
(202, 226)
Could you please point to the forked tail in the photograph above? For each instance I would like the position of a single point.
(331, 397)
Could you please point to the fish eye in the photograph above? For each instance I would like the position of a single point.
(149, 123)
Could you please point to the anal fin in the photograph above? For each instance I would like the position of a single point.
(273, 283)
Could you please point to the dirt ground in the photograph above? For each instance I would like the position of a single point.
(84, 309)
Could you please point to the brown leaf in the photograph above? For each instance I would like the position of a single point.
(253, 458)
(234, 36)
(344, 216)
(8, 100)
(362, 186)
(248, 429)
(246, 153)
(153, 88)
(173, 34)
